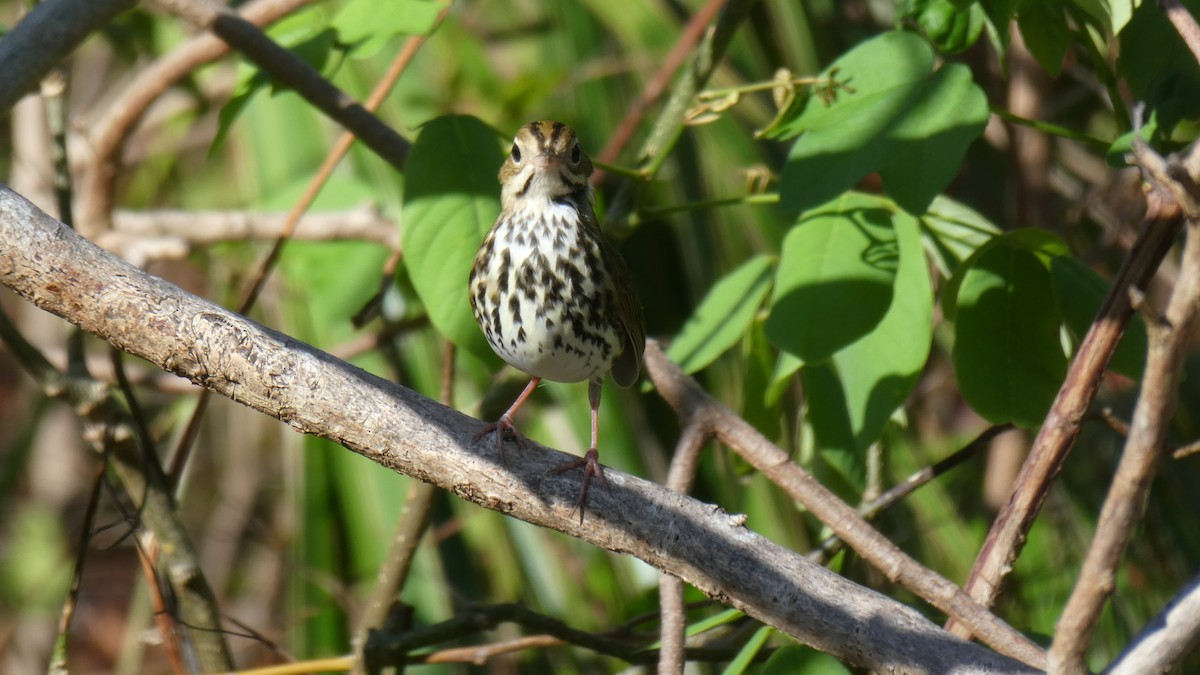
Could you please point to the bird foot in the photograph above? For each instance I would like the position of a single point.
(591, 467)
(503, 429)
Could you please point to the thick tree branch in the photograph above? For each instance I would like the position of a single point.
(42, 39)
(692, 402)
(315, 393)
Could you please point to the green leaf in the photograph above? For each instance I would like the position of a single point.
(1158, 67)
(796, 659)
(1080, 293)
(1122, 12)
(1007, 353)
(745, 656)
(903, 119)
(306, 34)
(723, 315)
(1043, 244)
(451, 199)
(1043, 25)
(367, 25)
(874, 375)
(953, 231)
(834, 282)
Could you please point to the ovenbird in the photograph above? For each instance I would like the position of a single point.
(553, 297)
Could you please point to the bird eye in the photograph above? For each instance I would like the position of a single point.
(516, 154)
(576, 154)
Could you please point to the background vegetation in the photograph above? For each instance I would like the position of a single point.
(884, 230)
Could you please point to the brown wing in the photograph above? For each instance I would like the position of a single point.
(628, 366)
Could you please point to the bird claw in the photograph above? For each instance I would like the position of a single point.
(503, 428)
(591, 467)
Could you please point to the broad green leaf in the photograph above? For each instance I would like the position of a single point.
(723, 315)
(834, 282)
(904, 119)
(1041, 243)
(876, 373)
(306, 34)
(953, 231)
(1158, 67)
(1043, 25)
(1007, 352)
(451, 200)
(999, 13)
(1122, 12)
(1080, 292)
(367, 25)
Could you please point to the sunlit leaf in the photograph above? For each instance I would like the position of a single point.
(1008, 355)
(451, 199)
(723, 315)
(834, 282)
(905, 120)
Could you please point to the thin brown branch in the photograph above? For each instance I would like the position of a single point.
(58, 660)
(141, 236)
(110, 431)
(290, 70)
(670, 122)
(1063, 422)
(253, 36)
(1126, 500)
(164, 617)
(657, 85)
(688, 399)
(1184, 23)
(871, 510)
(670, 589)
(109, 134)
(315, 393)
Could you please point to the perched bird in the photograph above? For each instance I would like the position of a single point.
(553, 297)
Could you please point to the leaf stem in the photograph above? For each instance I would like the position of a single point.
(748, 200)
(1049, 128)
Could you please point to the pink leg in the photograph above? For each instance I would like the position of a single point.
(504, 426)
(591, 460)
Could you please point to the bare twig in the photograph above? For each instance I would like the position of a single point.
(887, 500)
(395, 427)
(58, 660)
(657, 85)
(109, 430)
(688, 399)
(670, 589)
(109, 134)
(289, 69)
(670, 122)
(140, 236)
(1126, 500)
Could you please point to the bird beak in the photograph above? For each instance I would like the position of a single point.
(546, 160)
